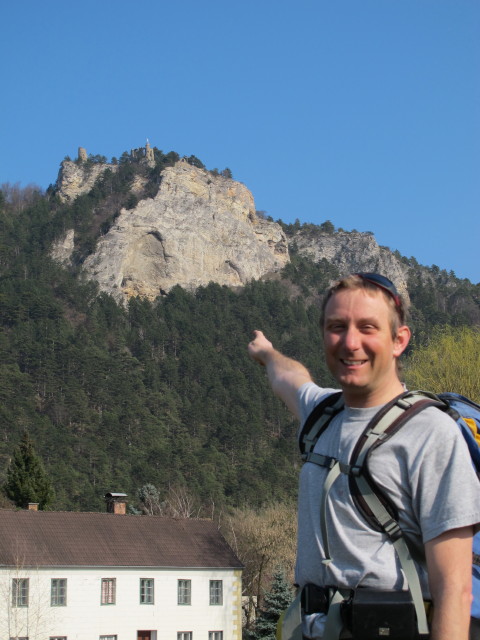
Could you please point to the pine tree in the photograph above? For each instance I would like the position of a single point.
(275, 603)
(27, 480)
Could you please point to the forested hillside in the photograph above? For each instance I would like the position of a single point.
(160, 392)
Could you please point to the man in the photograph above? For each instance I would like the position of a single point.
(424, 468)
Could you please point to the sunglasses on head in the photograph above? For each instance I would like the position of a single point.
(383, 283)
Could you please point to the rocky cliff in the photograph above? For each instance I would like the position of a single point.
(75, 179)
(350, 252)
(199, 228)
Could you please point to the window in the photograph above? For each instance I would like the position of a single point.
(184, 592)
(20, 592)
(216, 592)
(108, 637)
(58, 592)
(184, 635)
(108, 590)
(146, 590)
(58, 638)
(215, 635)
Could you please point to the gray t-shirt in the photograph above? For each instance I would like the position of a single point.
(424, 468)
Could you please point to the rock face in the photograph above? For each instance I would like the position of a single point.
(199, 228)
(202, 228)
(62, 249)
(75, 179)
(351, 252)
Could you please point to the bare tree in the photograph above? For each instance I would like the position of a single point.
(17, 197)
(263, 539)
(177, 502)
(33, 620)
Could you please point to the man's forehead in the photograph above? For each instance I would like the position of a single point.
(368, 301)
(347, 295)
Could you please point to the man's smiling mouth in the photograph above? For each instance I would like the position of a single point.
(353, 363)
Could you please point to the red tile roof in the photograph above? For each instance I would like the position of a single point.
(52, 538)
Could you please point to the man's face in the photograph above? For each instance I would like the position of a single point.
(359, 348)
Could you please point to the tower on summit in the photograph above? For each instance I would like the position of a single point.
(149, 155)
(144, 154)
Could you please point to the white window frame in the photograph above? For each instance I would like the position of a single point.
(216, 592)
(58, 594)
(20, 592)
(184, 592)
(147, 591)
(108, 591)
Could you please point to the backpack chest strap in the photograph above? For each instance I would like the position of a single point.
(319, 459)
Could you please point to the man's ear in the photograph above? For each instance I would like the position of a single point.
(401, 341)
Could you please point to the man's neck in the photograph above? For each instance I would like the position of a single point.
(364, 398)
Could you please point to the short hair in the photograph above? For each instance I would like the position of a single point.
(355, 281)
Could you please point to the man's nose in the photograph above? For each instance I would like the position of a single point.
(352, 339)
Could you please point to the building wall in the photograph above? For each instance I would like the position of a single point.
(84, 617)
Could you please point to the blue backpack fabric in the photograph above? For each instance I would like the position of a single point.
(468, 419)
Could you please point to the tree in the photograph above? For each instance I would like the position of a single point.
(150, 500)
(195, 162)
(178, 502)
(27, 480)
(19, 198)
(327, 227)
(262, 539)
(449, 362)
(275, 602)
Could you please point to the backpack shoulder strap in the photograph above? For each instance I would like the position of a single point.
(318, 420)
(376, 506)
(383, 426)
(390, 419)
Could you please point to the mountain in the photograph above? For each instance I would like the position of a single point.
(198, 228)
(179, 224)
(124, 356)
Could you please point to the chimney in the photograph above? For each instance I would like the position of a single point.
(32, 506)
(116, 503)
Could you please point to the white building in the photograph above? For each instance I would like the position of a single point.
(106, 576)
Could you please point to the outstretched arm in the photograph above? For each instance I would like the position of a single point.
(286, 376)
(449, 564)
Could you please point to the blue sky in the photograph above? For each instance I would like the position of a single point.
(362, 112)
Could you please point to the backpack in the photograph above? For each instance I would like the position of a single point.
(372, 503)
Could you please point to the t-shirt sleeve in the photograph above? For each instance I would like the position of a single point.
(445, 487)
(309, 395)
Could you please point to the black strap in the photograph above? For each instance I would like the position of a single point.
(327, 409)
(410, 409)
